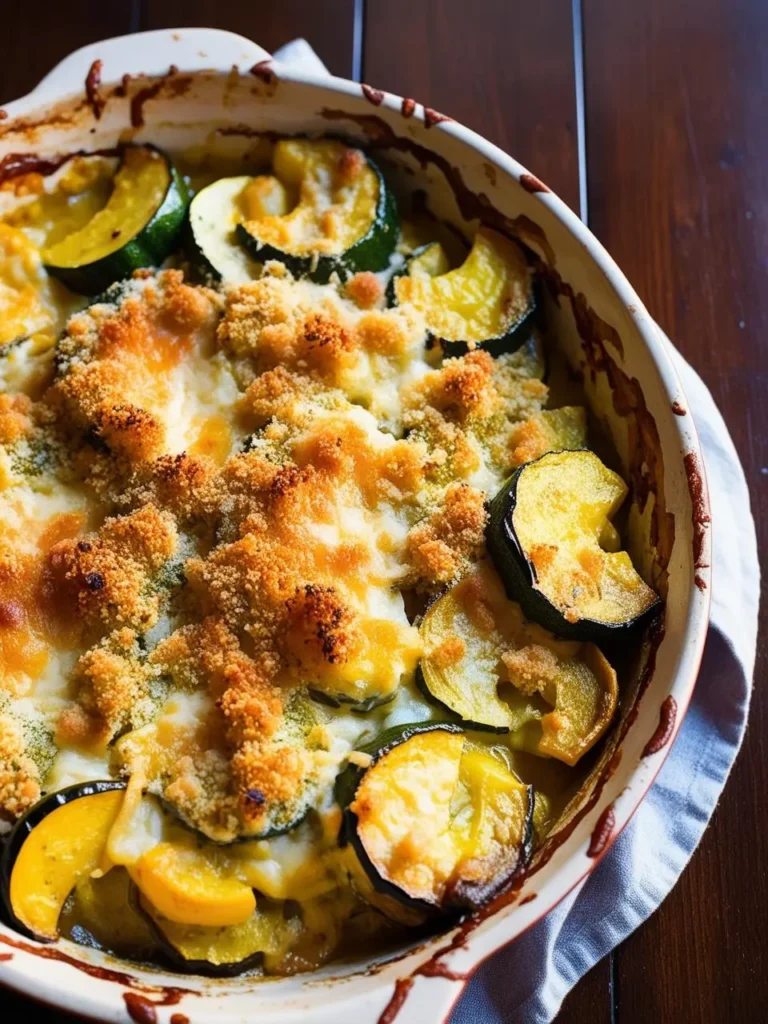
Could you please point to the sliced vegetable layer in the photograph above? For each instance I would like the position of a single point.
(339, 215)
(494, 669)
(487, 302)
(436, 821)
(548, 431)
(219, 951)
(214, 214)
(137, 228)
(553, 543)
(59, 842)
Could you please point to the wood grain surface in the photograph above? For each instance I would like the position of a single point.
(674, 168)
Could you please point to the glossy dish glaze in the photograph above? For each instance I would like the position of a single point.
(629, 383)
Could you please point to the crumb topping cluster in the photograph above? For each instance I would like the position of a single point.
(257, 475)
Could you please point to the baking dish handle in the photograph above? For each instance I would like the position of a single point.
(149, 53)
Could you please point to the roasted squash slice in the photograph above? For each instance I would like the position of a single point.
(214, 214)
(437, 822)
(137, 228)
(183, 883)
(59, 842)
(487, 302)
(494, 669)
(551, 537)
(342, 217)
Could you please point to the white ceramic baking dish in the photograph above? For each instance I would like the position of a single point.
(194, 88)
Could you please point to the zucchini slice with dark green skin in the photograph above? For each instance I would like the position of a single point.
(216, 952)
(551, 538)
(344, 219)
(211, 239)
(488, 302)
(476, 814)
(495, 670)
(138, 227)
(64, 848)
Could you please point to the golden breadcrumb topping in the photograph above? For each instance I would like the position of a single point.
(107, 574)
(19, 777)
(349, 466)
(441, 547)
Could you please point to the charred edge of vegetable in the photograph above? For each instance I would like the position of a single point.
(520, 580)
(474, 895)
(23, 828)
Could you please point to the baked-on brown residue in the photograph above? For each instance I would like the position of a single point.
(678, 409)
(3, 115)
(602, 832)
(665, 728)
(699, 514)
(435, 969)
(407, 107)
(92, 82)
(4, 957)
(532, 184)
(402, 987)
(374, 96)
(433, 117)
(263, 70)
(139, 1008)
(179, 1018)
(178, 87)
(472, 205)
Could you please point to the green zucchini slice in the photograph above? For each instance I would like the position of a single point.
(214, 214)
(56, 844)
(218, 952)
(487, 302)
(553, 543)
(137, 228)
(342, 217)
(495, 670)
(437, 822)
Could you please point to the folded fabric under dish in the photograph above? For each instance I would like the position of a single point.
(528, 980)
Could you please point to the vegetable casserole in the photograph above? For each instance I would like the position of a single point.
(310, 585)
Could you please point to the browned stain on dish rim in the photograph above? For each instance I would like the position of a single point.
(678, 409)
(92, 89)
(374, 96)
(179, 1018)
(472, 205)
(175, 84)
(433, 117)
(407, 107)
(168, 995)
(699, 515)
(139, 1008)
(602, 833)
(665, 728)
(263, 70)
(533, 184)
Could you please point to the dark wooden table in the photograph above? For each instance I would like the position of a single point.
(649, 119)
